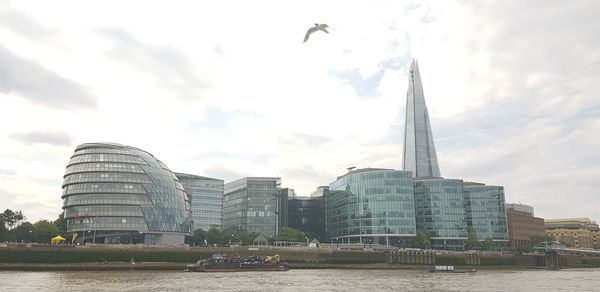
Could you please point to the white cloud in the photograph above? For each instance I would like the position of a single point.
(510, 103)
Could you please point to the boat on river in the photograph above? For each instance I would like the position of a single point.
(224, 263)
(450, 269)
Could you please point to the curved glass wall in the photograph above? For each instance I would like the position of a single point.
(485, 211)
(440, 210)
(123, 195)
(371, 206)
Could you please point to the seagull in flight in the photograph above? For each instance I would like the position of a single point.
(317, 27)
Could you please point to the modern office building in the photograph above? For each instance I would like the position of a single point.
(574, 232)
(419, 150)
(440, 210)
(282, 209)
(522, 225)
(520, 207)
(485, 212)
(307, 215)
(251, 204)
(371, 205)
(114, 193)
(206, 195)
(319, 192)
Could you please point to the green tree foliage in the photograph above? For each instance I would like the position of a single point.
(222, 237)
(43, 231)
(473, 241)
(489, 244)
(537, 239)
(291, 234)
(3, 233)
(22, 233)
(61, 224)
(423, 239)
(10, 218)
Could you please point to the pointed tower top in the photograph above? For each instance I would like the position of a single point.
(414, 65)
(419, 150)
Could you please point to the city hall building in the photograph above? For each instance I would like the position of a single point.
(114, 193)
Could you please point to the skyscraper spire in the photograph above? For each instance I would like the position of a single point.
(419, 151)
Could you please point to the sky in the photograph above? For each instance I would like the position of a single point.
(227, 89)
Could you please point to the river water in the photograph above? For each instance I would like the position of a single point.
(304, 280)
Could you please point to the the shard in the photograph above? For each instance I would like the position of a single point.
(419, 151)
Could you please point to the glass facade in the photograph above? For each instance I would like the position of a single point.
(485, 211)
(371, 206)
(252, 205)
(419, 150)
(207, 200)
(440, 209)
(307, 215)
(115, 193)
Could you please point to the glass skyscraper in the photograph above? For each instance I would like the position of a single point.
(207, 199)
(440, 209)
(114, 193)
(485, 211)
(252, 204)
(371, 206)
(419, 151)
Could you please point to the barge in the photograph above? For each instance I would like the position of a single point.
(223, 263)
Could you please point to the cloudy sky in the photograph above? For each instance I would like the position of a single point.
(227, 89)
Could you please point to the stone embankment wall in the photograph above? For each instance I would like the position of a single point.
(53, 254)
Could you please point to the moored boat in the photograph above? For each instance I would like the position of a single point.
(450, 269)
(223, 263)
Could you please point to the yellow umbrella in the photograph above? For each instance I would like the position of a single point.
(57, 239)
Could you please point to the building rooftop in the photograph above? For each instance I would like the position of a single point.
(193, 176)
(360, 170)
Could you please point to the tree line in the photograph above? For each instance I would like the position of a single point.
(14, 227)
(214, 236)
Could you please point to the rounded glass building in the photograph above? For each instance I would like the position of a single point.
(371, 206)
(120, 194)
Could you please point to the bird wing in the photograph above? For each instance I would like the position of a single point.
(310, 30)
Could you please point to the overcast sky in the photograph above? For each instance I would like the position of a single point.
(227, 89)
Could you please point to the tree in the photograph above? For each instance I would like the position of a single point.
(537, 239)
(198, 237)
(489, 243)
(423, 239)
(61, 224)
(43, 231)
(473, 241)
(290, 234)
(10, 218)
(22, 233)
(3, 233)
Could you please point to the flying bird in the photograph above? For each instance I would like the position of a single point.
(317, 27)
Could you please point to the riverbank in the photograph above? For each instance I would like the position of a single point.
(172, 266)
(117, 257)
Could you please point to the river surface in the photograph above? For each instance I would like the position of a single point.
(304, 280)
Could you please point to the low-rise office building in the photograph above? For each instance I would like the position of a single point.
(206, 196)
(440, 210)
(574, 232)
(485, 212)
(371, 205)
(522, 225)
(251, 204)
(307, 215)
